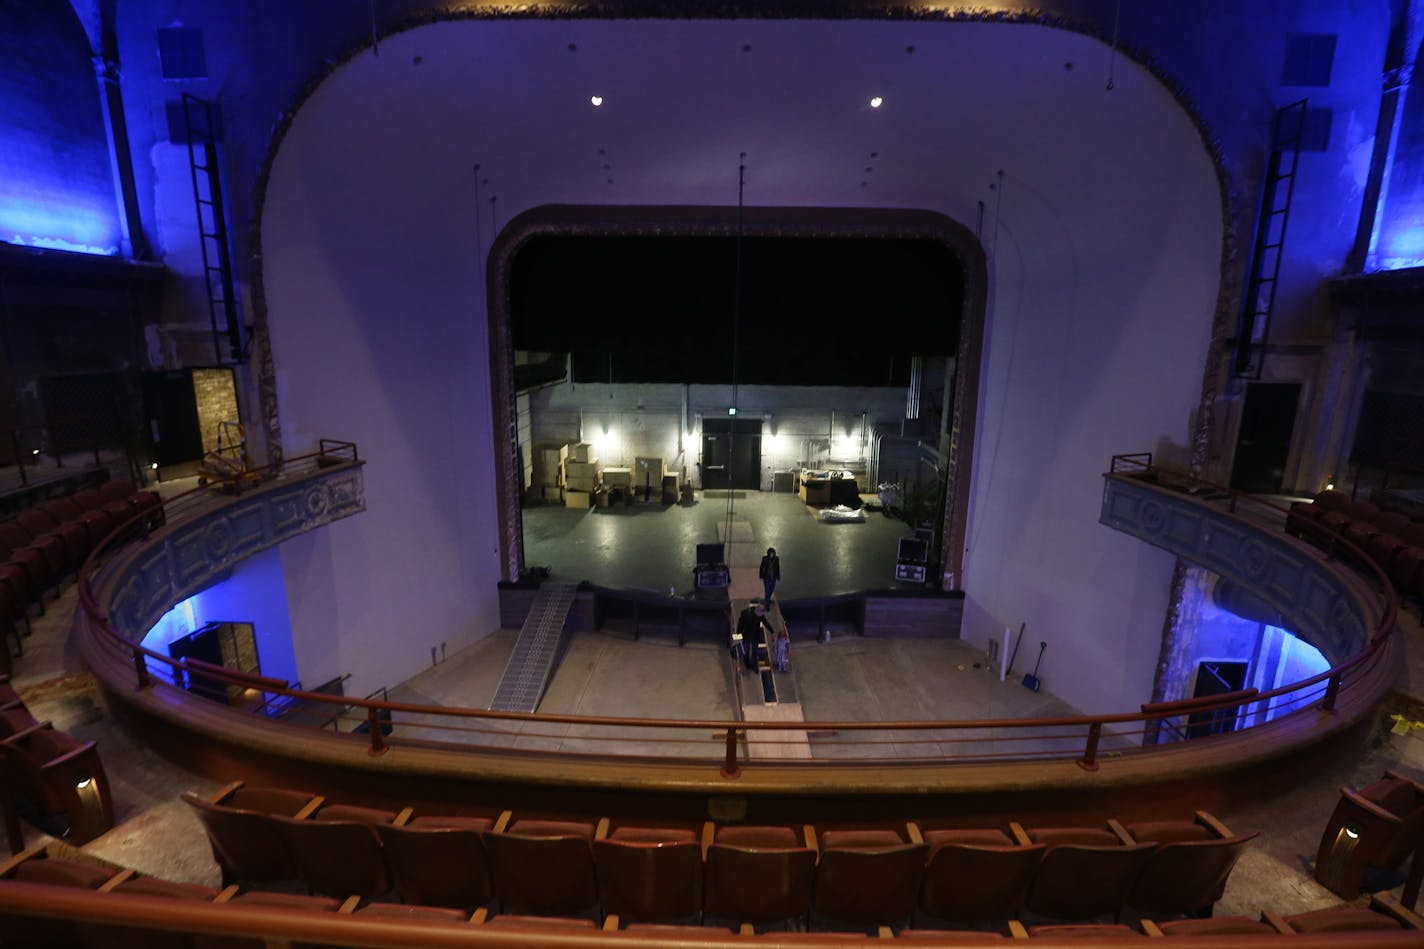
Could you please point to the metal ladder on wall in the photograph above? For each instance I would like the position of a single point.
(199, 121)
(530, 664)
(1254, 331)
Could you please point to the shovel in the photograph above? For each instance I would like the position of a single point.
(1030, 679)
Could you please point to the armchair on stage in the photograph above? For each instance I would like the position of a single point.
(1376, 827)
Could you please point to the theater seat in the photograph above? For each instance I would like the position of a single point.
(1188, 869)
(542, 867)
(1217, 926)
(438, 861)
(1379, 826)
(1084, 933)
(246, 842)
(759, 874)
(63, 778)
(1086, 872)
(336, 857)
(648, 873)
(978, 875)
(869, 876)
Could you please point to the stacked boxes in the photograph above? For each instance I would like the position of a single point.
(618, 478)
(648, 473)
(547, 476)
(580, 475)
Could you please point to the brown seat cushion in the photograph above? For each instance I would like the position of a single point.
(976, 837)
(1342, 919)
(406, 911)
(1168, 831)
(860, 839)
(1396, 796)
(328, 904)
(15, 720)
(551, 828)
(1218, 926)
(352, 812)
(653, 835)
(451, 822)
(152, 886)
(269, 800)
(766, 838)
(1078, 836)
(56, 871)
(1085, 932)
(49, 744)
(541, 922)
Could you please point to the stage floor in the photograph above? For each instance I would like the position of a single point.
(651, 547)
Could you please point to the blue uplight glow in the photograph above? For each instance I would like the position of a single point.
(58, 223)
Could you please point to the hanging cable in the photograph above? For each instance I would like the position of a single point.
(375, 39)
(736, 336)
(1112, 50)
(998, 207)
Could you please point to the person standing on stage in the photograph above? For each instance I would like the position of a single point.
(770, 572)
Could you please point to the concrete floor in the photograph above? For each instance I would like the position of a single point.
(849, 678)
(650, 547)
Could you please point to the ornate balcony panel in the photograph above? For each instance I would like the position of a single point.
(1318, 603)
(192, 552)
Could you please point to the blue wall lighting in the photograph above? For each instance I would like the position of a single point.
(57, 222)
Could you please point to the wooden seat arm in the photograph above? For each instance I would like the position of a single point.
(225, 792)
(1389, 905)
(1120, 832)
(601, 831)
(1276, 922)
(808, 836)
(69, 757)
(1017, 930)
(709, 834)
(403, 817)
(1151, 929)
(480, 916)
(1213, 825)
(228, 892)
(502, 823)
(1020, 835)
(1370, 807)
(610, 923)
(913, 830)
(348, 906)
(26, 732)
(123, 876)
(310, 807)
(8, 867)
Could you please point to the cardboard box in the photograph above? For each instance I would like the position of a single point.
(545, 462)
(649, 471)
(552, 492)
(579, 484)
(580, 469)
(581, 452)
(578, 499)
(618, 477)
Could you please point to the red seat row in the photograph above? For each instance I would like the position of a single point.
(58, 781)
(863, 875)
(1389, 538)
(42, 545)
(133, 909)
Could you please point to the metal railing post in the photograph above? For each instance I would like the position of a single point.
(1332, 691)
(730, 769)
(1089, 761)
(378, 740)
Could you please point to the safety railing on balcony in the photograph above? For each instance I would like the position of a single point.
(1089, 740)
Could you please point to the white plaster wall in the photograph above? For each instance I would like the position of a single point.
(1104, 244)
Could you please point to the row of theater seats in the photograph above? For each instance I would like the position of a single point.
(45, 543)
(142, 923)
(866, 875)
(1389, 538)
(55, 780)
(1376, 828)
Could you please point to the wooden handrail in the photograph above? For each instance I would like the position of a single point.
(1087, 727)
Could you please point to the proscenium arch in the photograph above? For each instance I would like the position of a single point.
(649, 221)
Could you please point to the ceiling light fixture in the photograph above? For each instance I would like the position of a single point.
(876, 102)
(596, 100)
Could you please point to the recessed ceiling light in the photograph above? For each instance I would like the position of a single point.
(876, 102)
(596, 100)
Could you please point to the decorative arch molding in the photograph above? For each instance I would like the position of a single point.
(648, 221)
(1232, 263)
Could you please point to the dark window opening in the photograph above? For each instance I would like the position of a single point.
(180, 52)
(1309, 59)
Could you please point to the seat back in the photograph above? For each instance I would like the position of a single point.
(542, 876)
(247, 844)
(1187, 876)
(649, 880)
(974, 882)
(442, 866)
(1077, 881)
(872, 886)
(751, 884)
(336, 858)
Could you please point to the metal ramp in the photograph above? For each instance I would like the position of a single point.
(532, 661)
